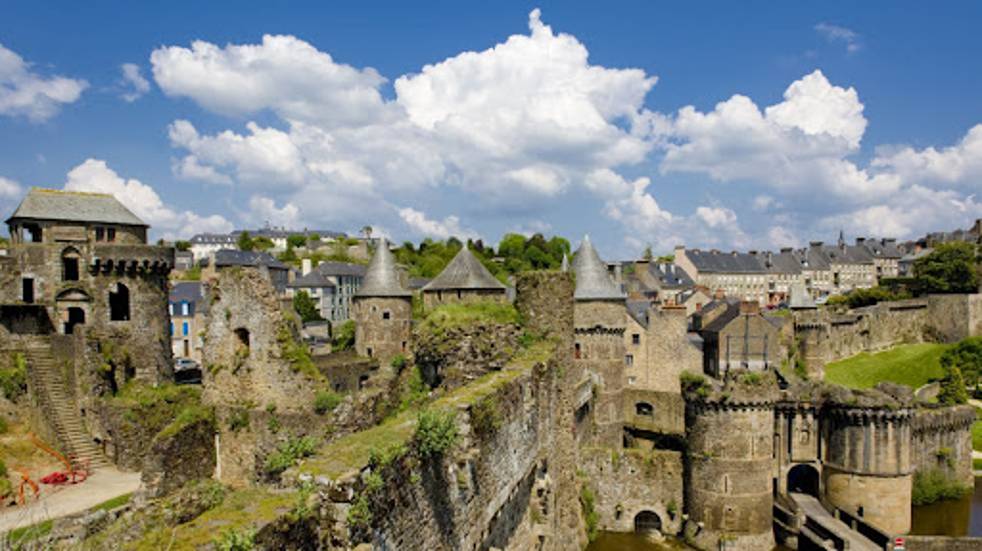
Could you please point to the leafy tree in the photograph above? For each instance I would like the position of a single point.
(647, 254)
(314, 237)
(344, 336)
(245, 242)
(262, 243)
(950, 268)
(182, 245)
(306, 307)
(289, 256)
(296, 241)
(966, 356)
(367, 232)
(952, 387)
(512, 245)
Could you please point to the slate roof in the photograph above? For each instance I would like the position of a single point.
(883, 248)
(314, 279)
(813, 258)
(670, 276)
(381, 278)
(592, 279)
(727, 263)
(724, 319)
(848, 254)
(74, 206)
(191, 292)
(416, 283)
(229, 257)
(784, 262)
(341, 269)
(800, 298)
(464, 272)
(638, 309)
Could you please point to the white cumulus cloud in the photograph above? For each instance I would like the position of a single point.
(841, 35)
(419, 223)
(133, 82)
(24, 92)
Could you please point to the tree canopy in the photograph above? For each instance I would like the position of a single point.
(296, 240)
(245, 242)
(515, 253)
(966, 356)
(182, 245)
(950, 268)
(306, 307)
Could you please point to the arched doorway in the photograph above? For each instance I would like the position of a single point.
(76, 316)
(646, 522)
(119, 303)
(803, 479)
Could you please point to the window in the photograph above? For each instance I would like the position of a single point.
(185, 308)
(386, 315)
(33, 233)
(119, 303)
(576, 351)
(27, 289)
(645, 409)
(629, 360)
(242, 335)
(170, 308)
(69, 264)
(369, 351)
(185, 328)
(110, 234)
(100, 234)
(636, 339)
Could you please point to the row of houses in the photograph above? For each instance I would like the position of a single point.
(204, 245)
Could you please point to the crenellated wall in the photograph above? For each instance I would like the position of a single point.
(942, 439)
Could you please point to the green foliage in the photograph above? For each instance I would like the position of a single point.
(399, 362)
(3, 468)
(13, 379)
(436, 431)
(238, 420)
(486, 415)
(182, 245)
(154, 408)
(934, 485)
(950, 268)
(306, 307)
(461, 314)
(232, 539)
(952, 387)
(383, 456)
(3, 426)
(245, 242)
(288, 453)
(344, 336)
(360, 513)
(977, 464)
(866, 297)
(414, 392)
(297, 353)
(648, 255)
(694, 383)
(515, 253)
(188, 416)
(588, 504)
(302, 508)
(262, 243)
(192, 274)
(977, 434)
(296, 241)
(913, 365)
(289, 256)
(967, 357)
(6, 488)
(325, 401)
(751, 379)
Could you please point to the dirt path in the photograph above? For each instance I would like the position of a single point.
(103, 485)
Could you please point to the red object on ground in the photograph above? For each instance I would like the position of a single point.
(56, 477)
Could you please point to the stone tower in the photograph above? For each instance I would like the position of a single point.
(729, 464)
(867, 464)
(464, 279)
(599, 319)
(383, 309)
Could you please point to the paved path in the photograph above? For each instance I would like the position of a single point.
(814, 510)
(103, 485)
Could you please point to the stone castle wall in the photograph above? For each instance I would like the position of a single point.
(383, 327)
(599, 328)
(432, 299)
(942, 439)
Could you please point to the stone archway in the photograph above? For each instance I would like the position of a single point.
(804, 479)
(647, 522)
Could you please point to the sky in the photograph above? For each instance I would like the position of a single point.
(729, 125)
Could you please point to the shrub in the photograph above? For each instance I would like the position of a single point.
(590, 516)
(13, 379)
(232, 539)
(296, 353)
(238, 420)
(695, 383)
(952, 387)
(436, 432)
(486, 415)
(399, 362)
(933, 485)
(325, 401)
(344, 336)
(360, 513)
(967, 357)
(288, 453)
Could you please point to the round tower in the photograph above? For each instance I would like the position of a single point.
(383, 310)
(599, 320)
(867, 466)
(729, 464)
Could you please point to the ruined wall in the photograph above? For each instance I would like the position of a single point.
(383, 327)
(942, 439)
(630, 482)
(432, 299)
(182, 452)
(455, 356)
(729, 466)
(867, 464)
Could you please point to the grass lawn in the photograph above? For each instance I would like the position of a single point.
(977, 436)
(909, 364)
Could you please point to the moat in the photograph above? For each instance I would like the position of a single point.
(962, 517)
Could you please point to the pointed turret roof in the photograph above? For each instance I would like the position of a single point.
(592, 280)
(800, 298)
(464, 272)
(564, 267)
(381, 279)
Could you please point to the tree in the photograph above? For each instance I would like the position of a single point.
(245, 242)
(512, 245)
(966, 356)
(344, 336)
(262, 243)
(950, 268)
(313, 238)
(367, 232)
(952, 388)
(182, 245)
(296, 241)
(306, 307)
(647, 255)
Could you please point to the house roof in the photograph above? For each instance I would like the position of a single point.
(800, 298)
(730, 263)
(74, 206)
(848, 254)
(592, 279)
(465, 271)
(192, 292)
(212, 239)
(784, 262)
(731, 313)
(230, 257)
(638, 309)
(883, 248)
(341, 269)
(381, 278)
(670, 276)
(314, 279)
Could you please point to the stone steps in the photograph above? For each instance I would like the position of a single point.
(58, 404)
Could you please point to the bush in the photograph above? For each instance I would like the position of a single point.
(325, 401)
(967, 357)
(13, 379)
(436, 432)
(399, 362)
(486, 416)
(933, 485)
(344, 336)
(590, 516)
(952, 387)
(694, 383)
(306, 307)
(235, 540)
(289, 453)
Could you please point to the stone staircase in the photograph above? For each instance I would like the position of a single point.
(57, 403)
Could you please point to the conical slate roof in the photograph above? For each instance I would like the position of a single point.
(381, 279)
(592, 280)
(464, 272)
(800, 299)
(564, 267)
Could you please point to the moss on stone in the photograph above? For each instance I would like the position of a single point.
(449, 316)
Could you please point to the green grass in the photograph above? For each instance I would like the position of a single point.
(913, 365)
(977, 436)
(456, 315)
(977, 464)
(111, 504)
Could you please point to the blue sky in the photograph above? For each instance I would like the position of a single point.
(729, 125)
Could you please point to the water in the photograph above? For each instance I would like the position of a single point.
(950, 518)
(614, 541)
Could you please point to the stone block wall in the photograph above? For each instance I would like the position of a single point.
(942, 439)
(599, 328)
(432, 299)
(383, 327)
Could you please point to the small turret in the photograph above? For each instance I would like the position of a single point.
(383, 309)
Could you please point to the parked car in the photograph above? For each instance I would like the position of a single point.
(187, 371)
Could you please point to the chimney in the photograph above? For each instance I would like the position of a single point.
(748, 307)
(305, 266)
